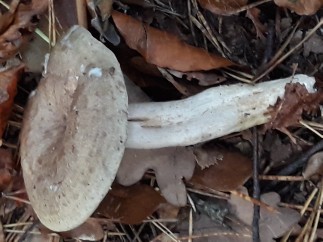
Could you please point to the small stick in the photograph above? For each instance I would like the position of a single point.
(29, 230)
(281, 59)
(318, 214)
(215, 194)
(246, 7)
(238, 78)
(310, 128)
(81, 13)
(190, 228)
(165, 230)
(256, 187)
(17, 199)
(281, 178)
(216, 234)
(301, 160)
(254, 201)
(189, 11)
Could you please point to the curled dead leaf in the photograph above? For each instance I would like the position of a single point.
(164, 49)
(288, 110)
(21, 28)
(302, 7)
(171, 165)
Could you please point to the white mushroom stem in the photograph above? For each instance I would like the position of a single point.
(208, 115)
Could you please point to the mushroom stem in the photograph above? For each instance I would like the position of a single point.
(208, 115)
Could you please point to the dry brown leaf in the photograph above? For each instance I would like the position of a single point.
(8, 89)
(231, 170)
(6, 168)
(130, 204)
(91, 230)
(272, 224)
(171, 165)
(21, 28)
(7, 18)
(288, 110)
(164, 49)
(222, 7)
(302, 7)
(167, 211)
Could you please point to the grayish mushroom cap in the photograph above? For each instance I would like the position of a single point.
(74, 131)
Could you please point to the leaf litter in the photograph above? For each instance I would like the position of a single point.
(170, 165)
(20, 29)
(163, 49)
(210, 160)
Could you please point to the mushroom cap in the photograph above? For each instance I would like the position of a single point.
(74, 131)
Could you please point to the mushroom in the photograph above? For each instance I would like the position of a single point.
(75, 124)
(74, 131)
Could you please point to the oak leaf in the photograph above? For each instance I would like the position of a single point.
(170, 165)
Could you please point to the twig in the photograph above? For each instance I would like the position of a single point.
(238, 78)
(28, 230)
(216, 234)
(189, 11)
(81, 13)
(281, 178)
(305, 124)
(254, 201)
(318, 214)
(165, 230)
(246, 7)
(292, 168)
(190, 228)
(281, 49)
(256, 188)
(51, 24)
(281, 59)
(17, 199)
(214, 194)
